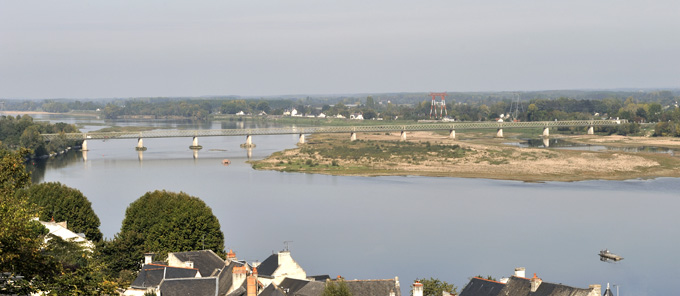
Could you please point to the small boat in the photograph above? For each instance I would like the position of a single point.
(607, 255)
(226, 161)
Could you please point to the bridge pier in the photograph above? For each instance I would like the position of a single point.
(140, 145)
(353, 136)
(403, 135)
(302, 139)
(194, 145)
(591, 130)
(546, 132)
(546, 142)
(249, 142)
(452, 134)
(84, 146)
(499, 134)
(84, 155)
(195, 152)
(140, 155)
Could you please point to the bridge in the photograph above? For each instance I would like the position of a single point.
(351, 130)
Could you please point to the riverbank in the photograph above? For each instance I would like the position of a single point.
(476, 156)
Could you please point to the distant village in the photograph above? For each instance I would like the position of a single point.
(204, 273)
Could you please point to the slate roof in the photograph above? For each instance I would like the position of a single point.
(269, 265)
(373, 287)
(320, 278)
(518, 286)
(301, 287)
(482, 287)
(225, 277)
(151, 275)
(205, 260)
(241, 291)
(271, 290)
(189, 287)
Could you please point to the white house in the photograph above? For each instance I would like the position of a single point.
(60, 229)
(356, 116)
(340, 116)
(321, 115)
(241, 113)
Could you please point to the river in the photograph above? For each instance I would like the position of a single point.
(382, 227)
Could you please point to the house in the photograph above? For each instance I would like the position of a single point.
(340, 116)
(356, 116)
(321, 115)
(200, 272)
(518, 285)
(152, 274)
(60, 229)
(240, 113)
(279, 266)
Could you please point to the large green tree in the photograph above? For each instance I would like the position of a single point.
(63, 203)
(162, 222)
(21, 237)
(435, 287)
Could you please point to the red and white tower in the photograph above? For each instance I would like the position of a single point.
(442, 107)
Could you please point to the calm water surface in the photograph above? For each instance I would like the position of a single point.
(381, 227)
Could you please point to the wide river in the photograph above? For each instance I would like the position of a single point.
(382, 227)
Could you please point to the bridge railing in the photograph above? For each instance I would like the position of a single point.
(332, 129)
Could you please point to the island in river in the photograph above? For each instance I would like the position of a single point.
(476, 156)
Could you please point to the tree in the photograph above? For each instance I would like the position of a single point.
(435, 287)
(63, 203)
(21, 237)
(163, 222)
(370, 103)
(336, 288)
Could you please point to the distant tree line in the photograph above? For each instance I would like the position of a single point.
(23, 131)
(635, 106)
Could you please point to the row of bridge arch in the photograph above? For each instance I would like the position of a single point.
(353, 136)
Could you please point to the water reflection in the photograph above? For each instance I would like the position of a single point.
(564, 144)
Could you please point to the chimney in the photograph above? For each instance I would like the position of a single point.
(189, 264)
(417, 289)
(238, 276)
(251, 286)
(148, 258)
(595, 290)
(520, 272)
(231, 256)
(535, 282)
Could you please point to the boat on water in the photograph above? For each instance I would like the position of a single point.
(607, 255)
(226, 161)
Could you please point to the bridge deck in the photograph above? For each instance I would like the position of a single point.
(334, 129)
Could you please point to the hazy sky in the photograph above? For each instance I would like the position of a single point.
(96, 49)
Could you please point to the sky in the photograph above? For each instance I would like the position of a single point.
(152, 48)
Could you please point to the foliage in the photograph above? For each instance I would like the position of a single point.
(20, 236)
(81, 272)
(383, 150)
(163, 222)
(336, 288)
(62, 203)
(22, 131)
(435, 287)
